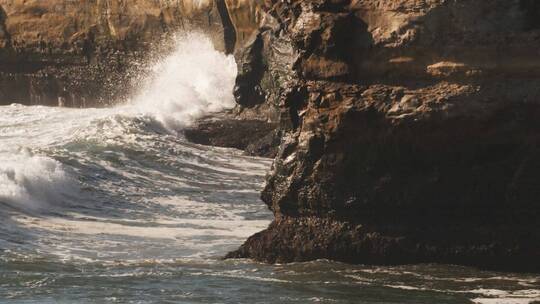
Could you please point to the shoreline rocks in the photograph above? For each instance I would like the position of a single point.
(301, 239)
(410, 132)
(255, 137)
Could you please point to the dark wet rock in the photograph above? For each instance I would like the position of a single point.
(266, 146)
(248, 92)
(410, 133)
(300, 239)
(255, 137)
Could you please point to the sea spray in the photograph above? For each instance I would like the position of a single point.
(193, 80)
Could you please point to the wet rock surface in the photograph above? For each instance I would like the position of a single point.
(255, 137)
(410, 133)
(300, 239)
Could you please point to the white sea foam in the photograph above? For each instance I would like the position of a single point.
(195, 79)
(33, 183)
(488, 296)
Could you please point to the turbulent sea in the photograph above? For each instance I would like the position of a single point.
(114, 206)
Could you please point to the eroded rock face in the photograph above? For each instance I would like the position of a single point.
(81, 52)
(411, 132)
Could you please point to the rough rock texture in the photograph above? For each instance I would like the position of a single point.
(88, 52)
(255, 137)
(411, 131)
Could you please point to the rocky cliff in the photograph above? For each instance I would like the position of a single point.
(82, 53)
(411, 131)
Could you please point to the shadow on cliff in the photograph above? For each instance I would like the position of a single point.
(229, 32)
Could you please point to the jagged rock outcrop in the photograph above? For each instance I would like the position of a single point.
(82, 53)
(411, 131)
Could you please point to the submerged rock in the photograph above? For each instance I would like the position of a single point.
(255, 137)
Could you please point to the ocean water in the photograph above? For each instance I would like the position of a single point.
(114, 206)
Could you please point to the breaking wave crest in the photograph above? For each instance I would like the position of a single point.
(195, 79)
(33, 182)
